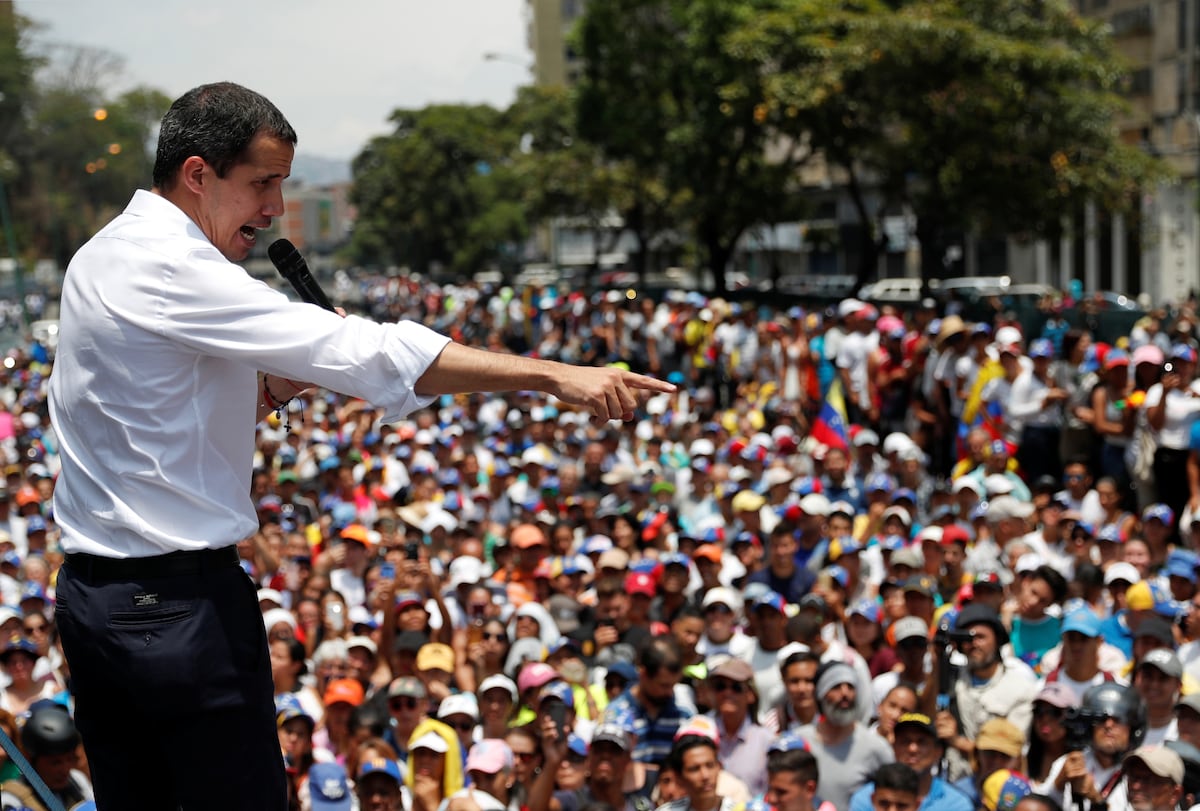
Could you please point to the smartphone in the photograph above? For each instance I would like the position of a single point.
(333, 615)
(412, 550)
(387, 571)
(1168, 367)
(558, 713)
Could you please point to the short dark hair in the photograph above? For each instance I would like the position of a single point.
(610, 585)
(216, 122)
(897, 777)
(686, 744)
(660, 652)
(800, 761)
(1047, 803)
(798, 657)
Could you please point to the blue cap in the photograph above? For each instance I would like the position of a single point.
(624, 670)
(643, 565)
(33, 591)
(35, 523)
(772, 599)
(1160, 512)
(979, 511)
(328, 788)
(868, 609)
(804, 485)
(329, 463)
(17, 643)
(904, 493)
(840, 575)
(1180, 568)
(11, 557)
(879, 481)
(380, 765)
(893, 543)
(501, 467)
(559, 690)
(789, 742)
(673, 559)
(999, 447)
(1082, 621)
(1110, 533)
(1183, 351)
(577, 745)
(1041, 348)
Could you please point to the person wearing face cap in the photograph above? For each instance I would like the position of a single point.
(1171, 411)
(847, 751)
(990, 686)
(1153, 778)
(1036, 403)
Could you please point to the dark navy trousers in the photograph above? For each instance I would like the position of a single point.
(172, 683)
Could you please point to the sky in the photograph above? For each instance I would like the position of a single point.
(335, 69)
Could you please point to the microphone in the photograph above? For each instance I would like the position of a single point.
(291, 266)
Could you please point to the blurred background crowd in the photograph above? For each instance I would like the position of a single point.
(853, 537)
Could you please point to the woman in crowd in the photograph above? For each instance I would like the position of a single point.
(1047, 736)
(865, 634)
(17, 660)
(434, 765)
(899, 700)
(489, 655)
(1111, 418)
(497, 705)
(287, 666)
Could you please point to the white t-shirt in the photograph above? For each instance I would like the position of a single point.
(1182, 409)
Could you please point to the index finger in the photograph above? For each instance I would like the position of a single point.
(647, 383)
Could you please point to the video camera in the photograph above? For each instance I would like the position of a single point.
(1079, 723)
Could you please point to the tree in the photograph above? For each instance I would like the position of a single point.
(660, 90)
(438, 192)
(989, 115)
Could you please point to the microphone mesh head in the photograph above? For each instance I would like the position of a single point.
(280, 249)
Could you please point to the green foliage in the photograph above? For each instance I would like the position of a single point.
(438, 192)
(997, 115)
(660, 90)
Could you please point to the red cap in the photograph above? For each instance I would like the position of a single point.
(640, 583)
(955, 534)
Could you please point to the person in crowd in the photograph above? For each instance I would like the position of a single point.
(897, 788)
(793, 777)
(846, 750)
(798, 670)
(649, 708)
(917, 746)
(1091, 774)
(1153, 778)
(988, 687)
(743, 741)
(1047, 736)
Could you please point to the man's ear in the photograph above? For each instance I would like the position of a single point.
(194, 173)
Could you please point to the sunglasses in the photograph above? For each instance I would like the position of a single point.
(718, 609)
(525, 757)
(493, 637)
(35, 629)
(723, 685)
(403, 703)
(462, 726)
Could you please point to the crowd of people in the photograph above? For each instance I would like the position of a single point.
(861, 558)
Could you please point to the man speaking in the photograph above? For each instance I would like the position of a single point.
(168, 356)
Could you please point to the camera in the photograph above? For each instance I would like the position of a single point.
(1168, 367)
(412, 550)
(1079, 723)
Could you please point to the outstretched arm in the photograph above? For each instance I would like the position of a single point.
(609, 393)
